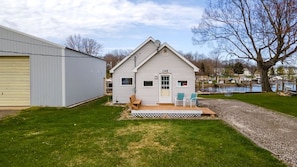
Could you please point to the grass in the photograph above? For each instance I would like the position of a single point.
(92, 135)
(284, 104)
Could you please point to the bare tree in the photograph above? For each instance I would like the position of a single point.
(85, 45)
(263, 31)
(114, 58)
(216, 57)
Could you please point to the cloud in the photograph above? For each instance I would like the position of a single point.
(61, 18)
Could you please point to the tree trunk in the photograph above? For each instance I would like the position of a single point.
(265, 81)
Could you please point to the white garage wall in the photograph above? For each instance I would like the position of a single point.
(55, 80)
(84, 77)
(45, 64)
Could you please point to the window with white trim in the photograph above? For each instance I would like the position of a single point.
(148, 83)
(182, 83)
(126, 81)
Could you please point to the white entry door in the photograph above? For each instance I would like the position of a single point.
(165, 89)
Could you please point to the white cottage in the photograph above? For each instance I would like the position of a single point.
(36, 72)
(155, 73)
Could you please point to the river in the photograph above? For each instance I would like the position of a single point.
(254, 88)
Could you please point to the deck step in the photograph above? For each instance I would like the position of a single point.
(166, 113)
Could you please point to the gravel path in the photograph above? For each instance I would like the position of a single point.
(273, 131)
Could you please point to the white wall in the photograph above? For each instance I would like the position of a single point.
(121, 94)
(45, 65)
(178, 69)
(84, 77)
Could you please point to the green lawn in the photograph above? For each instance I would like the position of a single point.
(91, 135)
(284, 104)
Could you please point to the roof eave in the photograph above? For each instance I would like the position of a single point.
(33, 37)
(132, 53)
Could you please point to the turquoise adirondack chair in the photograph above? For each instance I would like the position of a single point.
(193, 99)
(180, 98)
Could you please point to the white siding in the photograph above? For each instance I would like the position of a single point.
(178, 69)
(46, 81)
(121, 93)
(84, 77)
(149, 95)
(143, 52)
(150, 70)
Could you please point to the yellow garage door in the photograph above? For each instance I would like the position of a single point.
(14, 81)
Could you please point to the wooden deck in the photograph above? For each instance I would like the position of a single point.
(205, 111)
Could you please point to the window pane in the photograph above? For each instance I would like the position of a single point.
(182, 83)
(147, 83)
(126, 81)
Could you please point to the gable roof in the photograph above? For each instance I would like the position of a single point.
(196, 69)
(33, 37)
(151, 55)
(45, 41)
(131, 54)
(67, 48)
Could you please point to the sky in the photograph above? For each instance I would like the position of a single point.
(116, 24)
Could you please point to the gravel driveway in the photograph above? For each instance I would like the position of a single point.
(273, 131)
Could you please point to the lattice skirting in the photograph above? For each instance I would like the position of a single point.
(166, 113)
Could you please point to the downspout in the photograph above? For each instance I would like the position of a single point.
(157, 43)
(134, 75)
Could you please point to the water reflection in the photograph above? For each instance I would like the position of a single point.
(254, 88)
